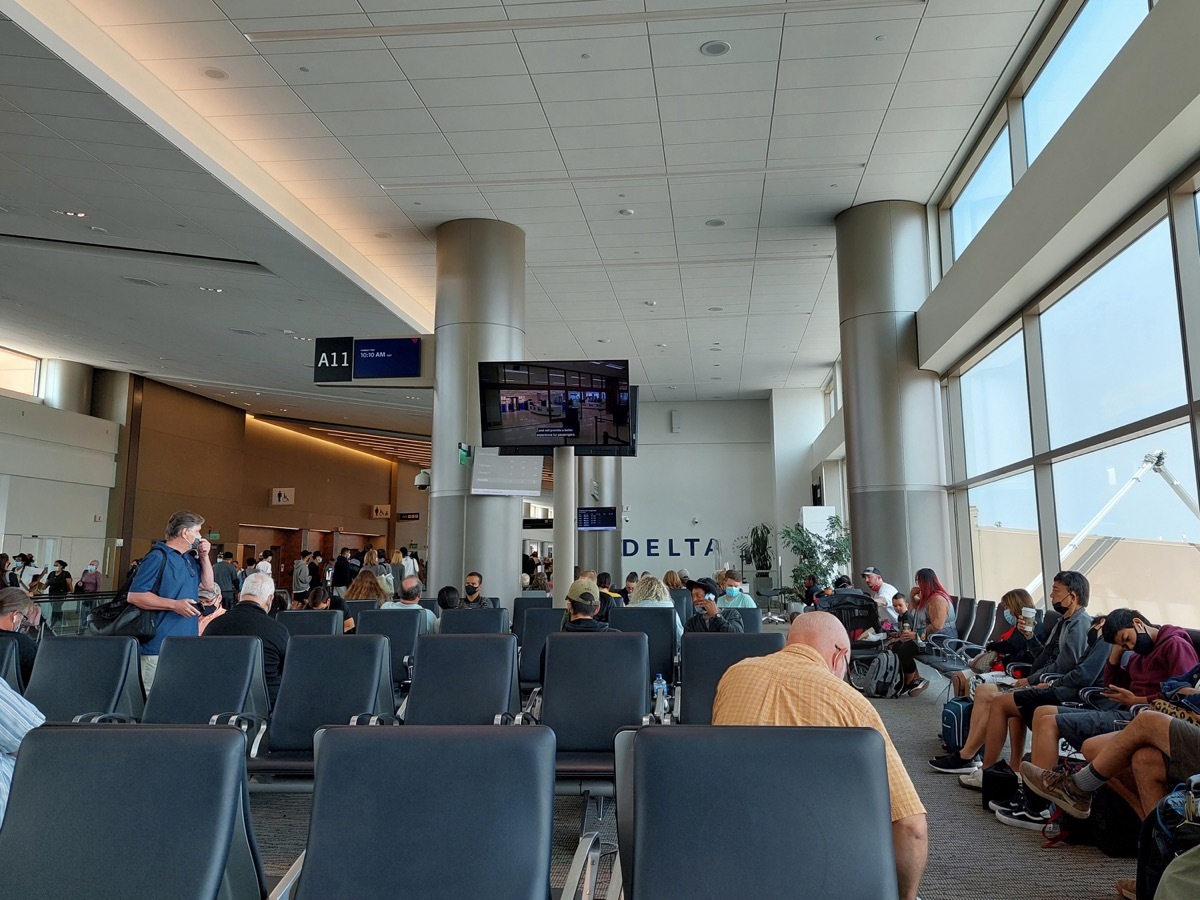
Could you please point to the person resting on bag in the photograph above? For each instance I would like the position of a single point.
(1016, 645)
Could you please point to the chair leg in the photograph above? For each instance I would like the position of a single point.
(587, 802)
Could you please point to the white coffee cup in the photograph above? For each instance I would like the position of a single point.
(1028, 619)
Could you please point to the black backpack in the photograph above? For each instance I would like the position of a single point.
(120, 618)
(1172, 828)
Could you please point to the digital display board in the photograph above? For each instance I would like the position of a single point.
(597, 518)
(387, 357)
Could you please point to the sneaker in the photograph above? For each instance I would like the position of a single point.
(1058, 787)
(972, 780)
(953, 764)
(1024, 818)
(1016, 804)
(915, 688)
(1127, 888)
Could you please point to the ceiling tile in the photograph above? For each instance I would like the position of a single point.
(469, 91)
(184, 40)
(346, 97)
(486, 60)
(840, 71)
(827, 124)
(971, 32)
(722, 79)
(612, 54)
(616, 85)
(601, 112)
(379, 121)
(977, 63)
(345, 67)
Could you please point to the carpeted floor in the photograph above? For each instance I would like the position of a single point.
(972, 856)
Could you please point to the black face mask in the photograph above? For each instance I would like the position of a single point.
(1060, 608)
(472, 590)
(1093, 635)
(1144, 644)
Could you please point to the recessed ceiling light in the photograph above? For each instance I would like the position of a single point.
(672, 387)
(603, 340)
(833, 185)
(213, 290)
(715, 378)
(305, 69)
(881, 37)
(98, 229)
(214, 73)
(70, 213)
(714, 349)
(652, 303)
(715, 48)
(660, 346)
(585, 56)
(626, 212)
(716, 309)
(715, 223)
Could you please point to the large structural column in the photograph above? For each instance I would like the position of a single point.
(480, 316)
(564, 522)
(600, 485)
(895, 450)
(67, 385)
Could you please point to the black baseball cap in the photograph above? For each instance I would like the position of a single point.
(705, 584)
(871, 570)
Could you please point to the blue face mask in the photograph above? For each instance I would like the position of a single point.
(732, 591)
(1010, 618)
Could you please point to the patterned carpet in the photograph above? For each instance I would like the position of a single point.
(971, 854)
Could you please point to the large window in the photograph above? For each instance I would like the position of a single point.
(1128, 530)
(1112, 347)
(18, 372)
(1004, 535)
(1095, 37)
(995, 408)
(990, 184)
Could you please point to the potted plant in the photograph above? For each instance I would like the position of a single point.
(816, 554)
(754, 549)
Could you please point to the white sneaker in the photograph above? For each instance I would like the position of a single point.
(972, 780)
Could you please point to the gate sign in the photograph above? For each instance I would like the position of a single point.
(333, 359)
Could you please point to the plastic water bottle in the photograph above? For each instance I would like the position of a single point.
(660, 694)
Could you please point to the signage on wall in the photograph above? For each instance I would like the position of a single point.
(381, 511)
(382, 362)
(680, 547)
(282, 496)
(408, 517)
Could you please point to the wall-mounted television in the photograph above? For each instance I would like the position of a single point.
(596, 518)
(529, 408)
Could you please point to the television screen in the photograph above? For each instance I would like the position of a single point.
(533, 407)
(387, 358)
(597, 518)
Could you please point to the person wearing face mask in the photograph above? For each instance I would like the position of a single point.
(91, 577)
(804, 684)
(708, 616)
(1142, 657)
(1015, 645)
(15, 608)
(471, 598)
(732, 596)
(169, 581)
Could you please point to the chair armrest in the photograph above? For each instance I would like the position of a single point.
(1018, 670)
(283, 890)
(533, 706)
(246, 722)
(374, 719)
(585, 867)
(99, 718)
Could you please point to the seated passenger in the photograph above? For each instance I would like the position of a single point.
(997, 714)
(448, 598)
(538, 582)
(804, 684)
(15, 609)
(1015, 645)
(18, 717)
(472, 599)
(631, 581)
(649, 591)
(732, 595)
(318, 598)
(410, 598)
(249, 617)
(583, 601)
(932, 613)
(708, 616)
(608, 598)
(365, 586)
(671, 580)
(1159, 653)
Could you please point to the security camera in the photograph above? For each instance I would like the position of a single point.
(421, 482)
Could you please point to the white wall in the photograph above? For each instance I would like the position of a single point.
(797, 417)
(56, 471)
(718, 470)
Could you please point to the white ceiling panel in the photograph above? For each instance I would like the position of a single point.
(556, 129)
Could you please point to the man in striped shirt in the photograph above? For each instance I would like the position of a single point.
(17, 718)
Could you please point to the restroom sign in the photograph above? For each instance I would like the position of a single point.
(381, 511)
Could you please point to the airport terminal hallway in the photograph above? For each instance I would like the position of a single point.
(972, 856)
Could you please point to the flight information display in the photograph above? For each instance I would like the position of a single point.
(597, 518)
(387, 357)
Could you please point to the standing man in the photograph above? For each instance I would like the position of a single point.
(408, 565)
(225, 574)
(881, 592)
(169, 581)
(804, 684)
(342, 574)
(301, 576)
(316, 571)
(264, 563)
(708, 616)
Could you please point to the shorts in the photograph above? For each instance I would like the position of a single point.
(1077, 725)
(1185, 752)
(1000, 679)
(1029, 699)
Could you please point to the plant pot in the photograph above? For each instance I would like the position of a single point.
(762, 582)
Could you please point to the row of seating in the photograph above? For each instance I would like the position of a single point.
(364, 784)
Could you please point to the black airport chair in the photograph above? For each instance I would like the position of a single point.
(503, 777)
(431, 604)
(311, 621)
(400, 627)
(110, 793)
(522, 603)
(658, 624)
(10, 663)
(539, 625)
(354, 608)
(81, 677)
(474, 621)
(682, 598)
(704, 659)
(752, 619)
(462, 679)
